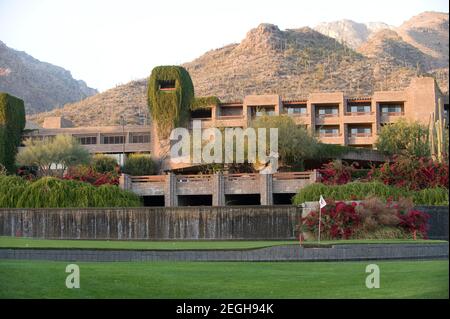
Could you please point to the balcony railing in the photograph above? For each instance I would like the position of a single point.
(360, 135)
(229, 117)
(327, 115)
(329, 134)
(392, 113)
(358, 113)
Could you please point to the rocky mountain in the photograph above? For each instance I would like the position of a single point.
(41, 85)
(428, 32)
(349, 32)
(292, 63)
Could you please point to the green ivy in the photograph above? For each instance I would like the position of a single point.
(204, 102)
(12, 123)
(170, 109)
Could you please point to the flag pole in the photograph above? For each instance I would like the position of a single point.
(320, 218)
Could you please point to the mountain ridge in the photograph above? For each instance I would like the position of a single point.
(42, 85)
(292, 63)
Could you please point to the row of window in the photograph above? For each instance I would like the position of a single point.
(353, 131)
(115, 139)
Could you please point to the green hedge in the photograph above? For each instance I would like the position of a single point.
(170, 109)
(48, 192)
(139, 164)
(359, 191)
(12, 123)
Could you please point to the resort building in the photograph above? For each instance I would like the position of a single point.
(333, 117)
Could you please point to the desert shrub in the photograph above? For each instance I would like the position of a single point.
(403, 137)
(63, 150)
(104, 164)
(139, 164)
(413, 173)
(375, 214)
(360, 191)
(87, 174)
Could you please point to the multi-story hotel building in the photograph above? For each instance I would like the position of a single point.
(333, 117)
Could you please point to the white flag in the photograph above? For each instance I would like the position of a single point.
(322, 202)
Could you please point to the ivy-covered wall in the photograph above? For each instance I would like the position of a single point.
(170, 108)
(12, 123)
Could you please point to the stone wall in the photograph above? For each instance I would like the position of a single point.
(159, 223)
(249, 222)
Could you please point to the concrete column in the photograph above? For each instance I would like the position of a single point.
(170, 191)
(218, 190)
(266, 189)
(314, 176)
(125, 182)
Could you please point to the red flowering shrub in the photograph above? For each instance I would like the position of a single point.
(414, 221)
(372, 219)
(89, 175)
(338, 221)
(336, 173)
(412, 173)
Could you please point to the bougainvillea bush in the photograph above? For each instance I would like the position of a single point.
(372, 219)
(336, 173)
(89, 175)
(412, 173)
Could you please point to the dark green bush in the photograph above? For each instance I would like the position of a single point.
(104, 164)
(360, 191)
(12, 123)
(50, 192)
(139, 164)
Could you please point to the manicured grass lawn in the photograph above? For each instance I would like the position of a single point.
(398, 279)
(13, 242)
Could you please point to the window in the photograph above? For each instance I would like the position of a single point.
(113, 139)
(358, 108)
(360, 131)
(166, 85)
(296, 110)
(87, 140)
(391, 109)
(262, 110)
(139, 138)
(323, 111)
(329, 131)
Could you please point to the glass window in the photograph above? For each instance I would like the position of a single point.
(296, 110)
(329, 131)
(391, 108)
(140, 138)
(113, 139)
(359, 109)
(328, 111)
(360, 130)
(87, 140)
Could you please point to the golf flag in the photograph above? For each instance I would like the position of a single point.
(322, 202)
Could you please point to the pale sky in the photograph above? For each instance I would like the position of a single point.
(110, 42)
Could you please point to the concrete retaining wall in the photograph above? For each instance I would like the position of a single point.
(275, 253)
(245, 222)
(222, 223)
